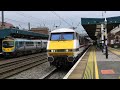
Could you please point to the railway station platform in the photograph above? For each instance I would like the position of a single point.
(94, 65)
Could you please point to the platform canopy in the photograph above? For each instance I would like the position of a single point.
(91, 25)
(21, 34)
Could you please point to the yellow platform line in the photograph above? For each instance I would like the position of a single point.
(89, 67)
(96, 67)
(73, 68)
(114, 51)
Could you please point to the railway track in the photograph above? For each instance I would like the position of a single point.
(14, 66)
(10, 60)
(48, 72)
(55, 73)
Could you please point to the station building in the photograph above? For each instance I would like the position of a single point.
(41, 30)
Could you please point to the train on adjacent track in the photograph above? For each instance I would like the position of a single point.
(13, 47)
(63, 47)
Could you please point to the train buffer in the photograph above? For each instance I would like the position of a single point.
(94, 65)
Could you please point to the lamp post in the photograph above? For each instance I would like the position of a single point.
(102, 37)
(2, 12)
(29, 26)
(105, 37)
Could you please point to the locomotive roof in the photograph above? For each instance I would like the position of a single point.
(63, 30)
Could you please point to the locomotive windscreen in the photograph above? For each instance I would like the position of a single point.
(8, 44)
(62, 36)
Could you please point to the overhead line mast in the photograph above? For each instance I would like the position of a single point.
(2, 12)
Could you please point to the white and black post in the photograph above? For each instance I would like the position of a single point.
(102, 36)
(105, 38)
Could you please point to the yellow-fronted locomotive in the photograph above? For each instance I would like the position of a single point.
(63, 47)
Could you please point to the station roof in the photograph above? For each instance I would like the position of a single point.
(16, 32)
(89, 24)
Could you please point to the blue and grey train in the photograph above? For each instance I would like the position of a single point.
(17, 47)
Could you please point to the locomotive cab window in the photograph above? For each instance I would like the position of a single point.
(8, 44)
(62, 36)
(67, 36)
(55, 36)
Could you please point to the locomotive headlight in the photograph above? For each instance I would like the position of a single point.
(52, 50)
(67, 50)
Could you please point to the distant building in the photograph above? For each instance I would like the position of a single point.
(111, 38)
(114, 37)
(6, 25)
(41, 30)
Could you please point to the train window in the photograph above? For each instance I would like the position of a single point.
(39, 43)
(32, 44)
(62, 36)
(21, 44)
(16, 44)
(67, 36)
(8, 44)
(55, 36)
(28, 43)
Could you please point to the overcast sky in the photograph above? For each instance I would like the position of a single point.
(47, 18)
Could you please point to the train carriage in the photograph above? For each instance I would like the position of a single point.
(17, 47)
